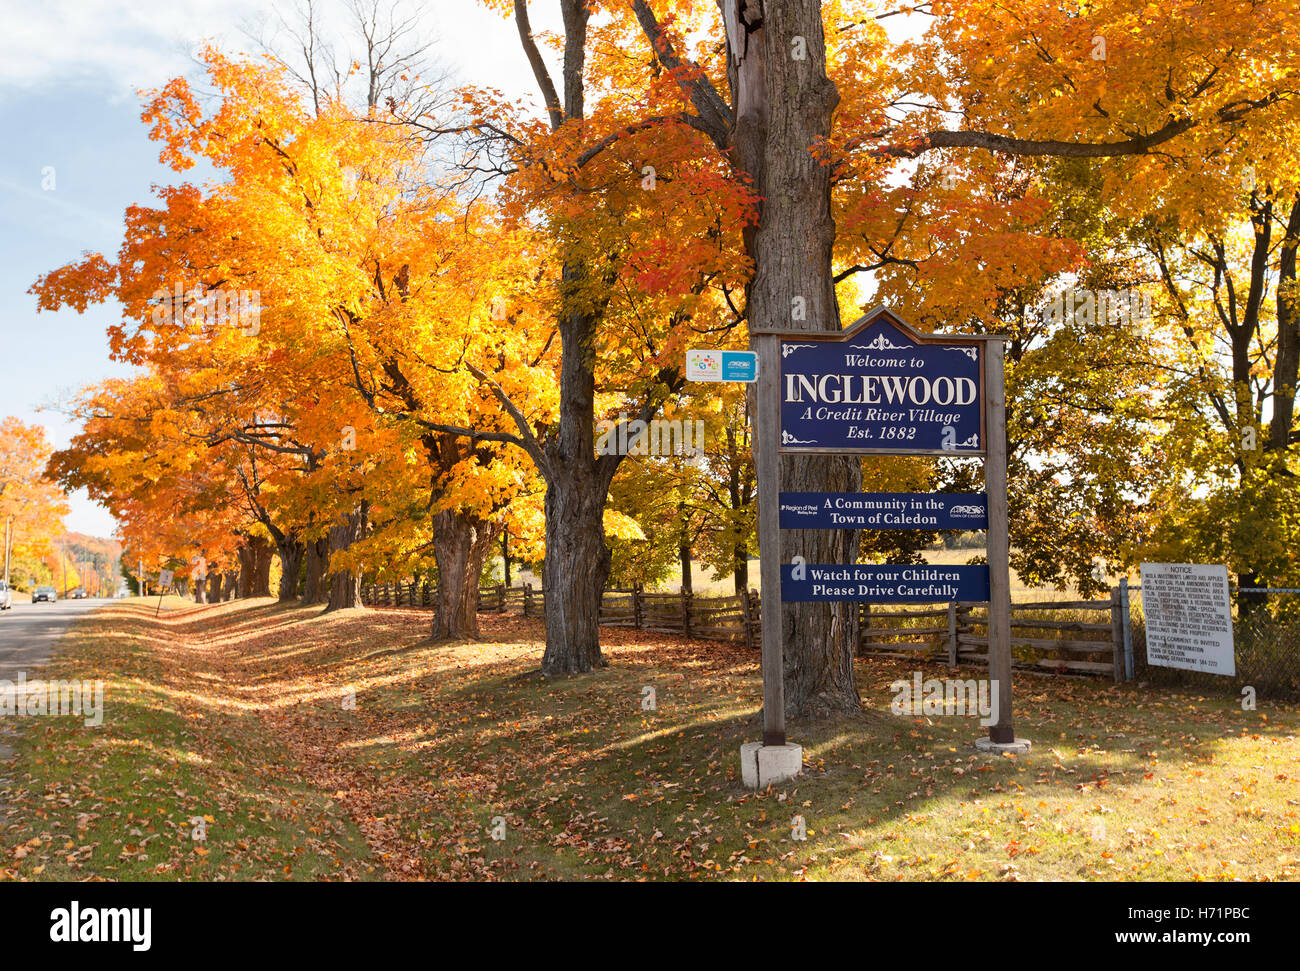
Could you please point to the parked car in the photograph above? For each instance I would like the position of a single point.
(45, 594)
(6, 596)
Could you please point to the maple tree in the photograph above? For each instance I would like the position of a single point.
(31, 506)
(747, 161)
(783, 132)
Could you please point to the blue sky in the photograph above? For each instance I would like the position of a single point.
(69, 73)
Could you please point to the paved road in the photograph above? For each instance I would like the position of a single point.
(27, 636)
(28, 632)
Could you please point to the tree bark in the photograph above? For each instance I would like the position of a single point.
(345, 586)
(740, 569)
(784, 110)
(461, 544)
(575, 569)
(684, 561)
(214, 588)
(1286, 369)
(247, 566)
(263, 554)
(254, 568)
(291, 553)
(318, 558)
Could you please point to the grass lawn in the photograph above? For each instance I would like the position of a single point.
(347, 746)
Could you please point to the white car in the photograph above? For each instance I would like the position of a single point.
(6, 596)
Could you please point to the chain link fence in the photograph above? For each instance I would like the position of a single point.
(1266, 640)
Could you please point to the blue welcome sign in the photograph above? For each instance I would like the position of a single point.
(881, 387)
(884, 510)
(921, 583)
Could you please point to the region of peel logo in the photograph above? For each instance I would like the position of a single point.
(969, 511)
(806, 511)
(102, 924)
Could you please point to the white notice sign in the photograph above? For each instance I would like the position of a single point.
(1188, 616)
(165, 578)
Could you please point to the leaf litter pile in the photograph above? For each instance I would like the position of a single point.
(250, 741)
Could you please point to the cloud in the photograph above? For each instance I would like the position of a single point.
(123, 46)
(117, 44)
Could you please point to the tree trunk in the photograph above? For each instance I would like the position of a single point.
(740, 569)
(263, 554)
(1286, 368)
(1249, 602)
(318, 558)
(785, 108)
(577, 485)
(345, 586)
(291, 553)
(214, 588)
(246, 566)
(200, 590)
(460, 545)
(575, 569)
(684, 559)
(229, 582)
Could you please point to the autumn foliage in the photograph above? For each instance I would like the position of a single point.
(384, 339)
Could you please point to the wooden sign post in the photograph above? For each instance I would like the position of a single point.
(165, 578)
(998, 542)
(767, 469)
(878, 387)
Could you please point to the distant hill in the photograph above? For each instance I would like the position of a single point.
(102, 555)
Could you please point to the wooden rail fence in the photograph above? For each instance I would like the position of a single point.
(1059, 636)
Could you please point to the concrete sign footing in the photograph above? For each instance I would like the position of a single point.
(1018, 747)
(764, 765)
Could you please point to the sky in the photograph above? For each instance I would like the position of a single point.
(76, 155)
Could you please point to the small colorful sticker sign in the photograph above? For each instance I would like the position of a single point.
(722, 366)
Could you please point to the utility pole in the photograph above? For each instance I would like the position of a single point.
(8, 545)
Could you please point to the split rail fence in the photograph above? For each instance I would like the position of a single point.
(1077, 636)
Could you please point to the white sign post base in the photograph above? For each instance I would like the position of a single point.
(764, 765)
(1018, 747)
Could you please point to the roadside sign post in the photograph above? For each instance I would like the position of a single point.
(772, 758)
(767, 469)
(878, 387)
(998, 547)
(165, 578)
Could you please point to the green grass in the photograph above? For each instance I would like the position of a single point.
(116, 800)
(249, 706)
